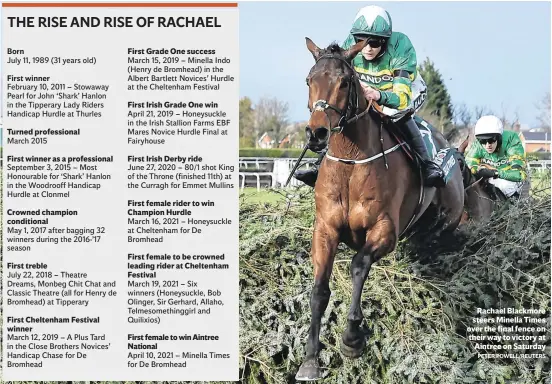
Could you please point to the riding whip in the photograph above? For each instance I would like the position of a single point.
(474, 183)
(297, 164)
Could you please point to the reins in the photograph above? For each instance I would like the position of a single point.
(472, 184)
(352, 107)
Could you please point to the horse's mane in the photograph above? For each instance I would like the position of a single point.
(333, 48)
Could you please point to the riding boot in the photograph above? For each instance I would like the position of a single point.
(309, 176)
(432, 173)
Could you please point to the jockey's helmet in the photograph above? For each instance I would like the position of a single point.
(372, 21)
(489, 129)
(488, 126)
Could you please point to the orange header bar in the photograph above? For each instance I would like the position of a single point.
(119, 5)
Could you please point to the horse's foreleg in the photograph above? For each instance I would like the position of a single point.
(380, 240)
(324, 247)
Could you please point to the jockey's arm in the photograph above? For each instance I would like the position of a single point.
(515, 171)
(403, 68)
(399, 97)
(473, 158)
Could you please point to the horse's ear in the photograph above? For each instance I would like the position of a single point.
(313, 48)
(463, 146)
(355, 49)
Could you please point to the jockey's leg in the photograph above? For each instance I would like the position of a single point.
(508, 188)
(309, 176)
(433, 174)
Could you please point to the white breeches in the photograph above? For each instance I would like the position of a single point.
(507, 187)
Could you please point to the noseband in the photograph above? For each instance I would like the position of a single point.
(352, 99)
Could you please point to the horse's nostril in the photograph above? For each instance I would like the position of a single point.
(321, 133)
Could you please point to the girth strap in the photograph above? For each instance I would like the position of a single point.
(368, 160)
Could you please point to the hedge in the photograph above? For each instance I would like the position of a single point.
(532, 156)
(417, 302)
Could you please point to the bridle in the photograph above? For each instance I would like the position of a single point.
(349, 115)
(346, 115)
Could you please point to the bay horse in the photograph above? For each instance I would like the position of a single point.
(366, 195)
(479, 204)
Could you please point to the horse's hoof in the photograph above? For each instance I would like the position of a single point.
(353, 352)
(309, 371)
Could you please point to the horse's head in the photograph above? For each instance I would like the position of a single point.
(478, 202)
(333, 91)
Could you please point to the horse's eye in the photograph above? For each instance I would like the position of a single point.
(344, 83)
(307, 81)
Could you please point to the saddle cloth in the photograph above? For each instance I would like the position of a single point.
(444, 157)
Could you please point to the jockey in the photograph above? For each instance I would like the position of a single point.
(497, 155)
(387, 71)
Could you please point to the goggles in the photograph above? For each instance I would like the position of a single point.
(490, 140)
(374, 42)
